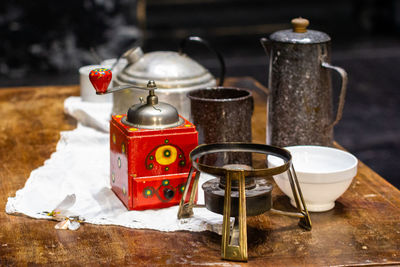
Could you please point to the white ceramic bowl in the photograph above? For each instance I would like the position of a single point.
(324, 174)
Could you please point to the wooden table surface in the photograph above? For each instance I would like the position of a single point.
(362, 229)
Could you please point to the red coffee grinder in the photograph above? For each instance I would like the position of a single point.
(149, 147)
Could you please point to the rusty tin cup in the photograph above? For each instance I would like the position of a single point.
(222, 114)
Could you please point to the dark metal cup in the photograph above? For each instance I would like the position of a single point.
(223, 114)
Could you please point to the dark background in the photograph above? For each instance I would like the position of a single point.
(45, 42)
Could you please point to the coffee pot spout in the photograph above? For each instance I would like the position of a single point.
(266, 43)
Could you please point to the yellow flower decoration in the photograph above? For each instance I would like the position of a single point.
(166, 155)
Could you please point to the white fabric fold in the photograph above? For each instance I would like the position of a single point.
(90, 114)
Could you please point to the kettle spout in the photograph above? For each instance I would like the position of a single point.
(266, 43)
(133, 55)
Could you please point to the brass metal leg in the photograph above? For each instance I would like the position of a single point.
(186, 209)
(234, 246)
(304, 222)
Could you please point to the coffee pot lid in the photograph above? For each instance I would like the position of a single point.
(169, 69)
(152, 114)
(299, 34)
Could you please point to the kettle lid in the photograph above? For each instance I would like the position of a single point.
(168, 69)
(299, 34)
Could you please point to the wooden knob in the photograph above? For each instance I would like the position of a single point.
(300, 25)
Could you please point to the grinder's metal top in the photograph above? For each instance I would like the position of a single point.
(152, 114)
(300, 34)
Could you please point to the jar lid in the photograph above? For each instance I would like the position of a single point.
(299, 34)
(168, 69)
(152, 114)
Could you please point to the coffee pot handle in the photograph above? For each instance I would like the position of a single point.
(342, 96)
(211, 48)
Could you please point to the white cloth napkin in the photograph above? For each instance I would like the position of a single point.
(79, 170)
(90, 114)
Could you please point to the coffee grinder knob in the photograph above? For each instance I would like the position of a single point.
(100, 79)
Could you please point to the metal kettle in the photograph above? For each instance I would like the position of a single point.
(300, 108)
(175, 73)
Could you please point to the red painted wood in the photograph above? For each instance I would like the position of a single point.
(149, 168)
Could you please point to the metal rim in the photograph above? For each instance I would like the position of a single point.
(191, 95)
(206, 149)
(154, 127)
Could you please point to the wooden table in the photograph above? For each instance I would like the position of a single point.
(362, 229)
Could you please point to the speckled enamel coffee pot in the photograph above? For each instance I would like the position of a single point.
(300, 108)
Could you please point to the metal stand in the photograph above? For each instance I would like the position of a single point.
(234, 243)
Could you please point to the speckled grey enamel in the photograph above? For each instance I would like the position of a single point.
(300, 108)
(308, 37)
(222, 115)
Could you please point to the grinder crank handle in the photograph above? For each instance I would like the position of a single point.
(342, 96)
(151, 85)
(101, 78)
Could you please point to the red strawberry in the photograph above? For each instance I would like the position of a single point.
(100, 79)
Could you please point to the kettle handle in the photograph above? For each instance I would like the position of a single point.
(342, 96)
(221, 60)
